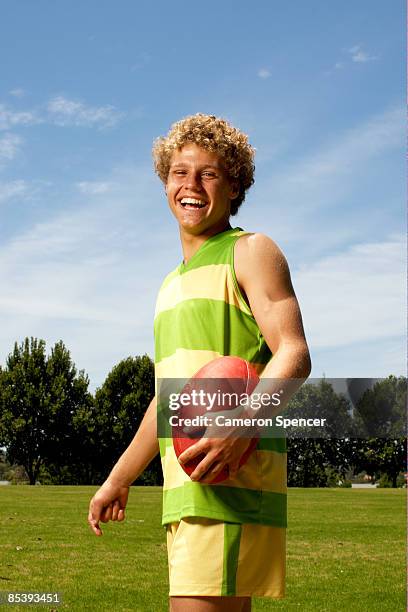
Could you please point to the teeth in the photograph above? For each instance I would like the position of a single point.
(192, 201)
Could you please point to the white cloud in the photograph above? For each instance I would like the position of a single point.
(359, 56)
(264, 73)
(93, 187)
(354, 296)
(12, 190)
(355, 147)
(342, 192)
(376, 359)
(9, 146)
(90, 275)
(10, 118)
(18, 92)
(324, 176)
(63, 112)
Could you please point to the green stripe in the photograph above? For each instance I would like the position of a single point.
(265, 444)
(230, 504)
(208, 253)
(163, 443)
(232, 541)
(199, 276)
(212, 325)
(272, 444)
(215, 250)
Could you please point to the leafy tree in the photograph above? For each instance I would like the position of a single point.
(120, 405)
(321, 401)
(39, 397)
(371, 439)
(4, 467)
(381, 411)
(317, 457)
(306, 463)
(379, 456)
(380, 414)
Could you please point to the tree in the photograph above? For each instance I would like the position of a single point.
(120, 405)
(321, 401)
(381, 411)
(307, 463)
(378, 456)
(316, 454)
(371, 438)
(380, 417)
(39, 397)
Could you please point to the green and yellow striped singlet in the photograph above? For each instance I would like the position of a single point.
(201, 314)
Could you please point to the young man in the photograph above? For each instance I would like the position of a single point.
(231, 295)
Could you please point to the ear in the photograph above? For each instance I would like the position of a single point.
(234, 191)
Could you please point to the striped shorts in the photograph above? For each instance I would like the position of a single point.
(212, 558)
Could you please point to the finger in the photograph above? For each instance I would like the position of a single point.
(95, 528)
(106, 514)
(94, 524)
(203, 467)
(210, 476)
(123, 497)
(121, 514)
(115, 510)
(193, 451)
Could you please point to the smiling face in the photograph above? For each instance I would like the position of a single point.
(199, 191)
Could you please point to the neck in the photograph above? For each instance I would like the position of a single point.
(190, 243)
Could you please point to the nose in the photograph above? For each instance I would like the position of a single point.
(193, 181)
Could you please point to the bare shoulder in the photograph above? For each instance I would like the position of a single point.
(257, 253)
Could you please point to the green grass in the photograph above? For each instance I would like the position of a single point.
(346, 550)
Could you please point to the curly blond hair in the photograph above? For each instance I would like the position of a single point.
(215, 135)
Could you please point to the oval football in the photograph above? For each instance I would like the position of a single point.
(231, 374)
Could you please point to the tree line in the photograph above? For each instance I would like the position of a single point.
(57, 432)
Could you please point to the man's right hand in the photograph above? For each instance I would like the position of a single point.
(108, 504)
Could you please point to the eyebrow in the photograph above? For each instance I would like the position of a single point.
(180, 164)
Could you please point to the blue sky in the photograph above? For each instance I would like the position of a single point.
(85, 234)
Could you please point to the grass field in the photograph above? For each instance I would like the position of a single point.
(346, 550)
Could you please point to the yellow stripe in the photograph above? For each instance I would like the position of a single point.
(185, 363)
(262, 553)
(264, 470)
(174, 475)
(273, 467)
(196, 556)
(212, 282)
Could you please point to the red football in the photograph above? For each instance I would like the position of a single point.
(231, 376)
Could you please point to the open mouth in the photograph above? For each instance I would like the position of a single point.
(192, 203)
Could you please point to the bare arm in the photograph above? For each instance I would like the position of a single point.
(110, 500)
(274, 305)
(263, 276)
(140, 452)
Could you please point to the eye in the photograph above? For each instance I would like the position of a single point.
(209, 174)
